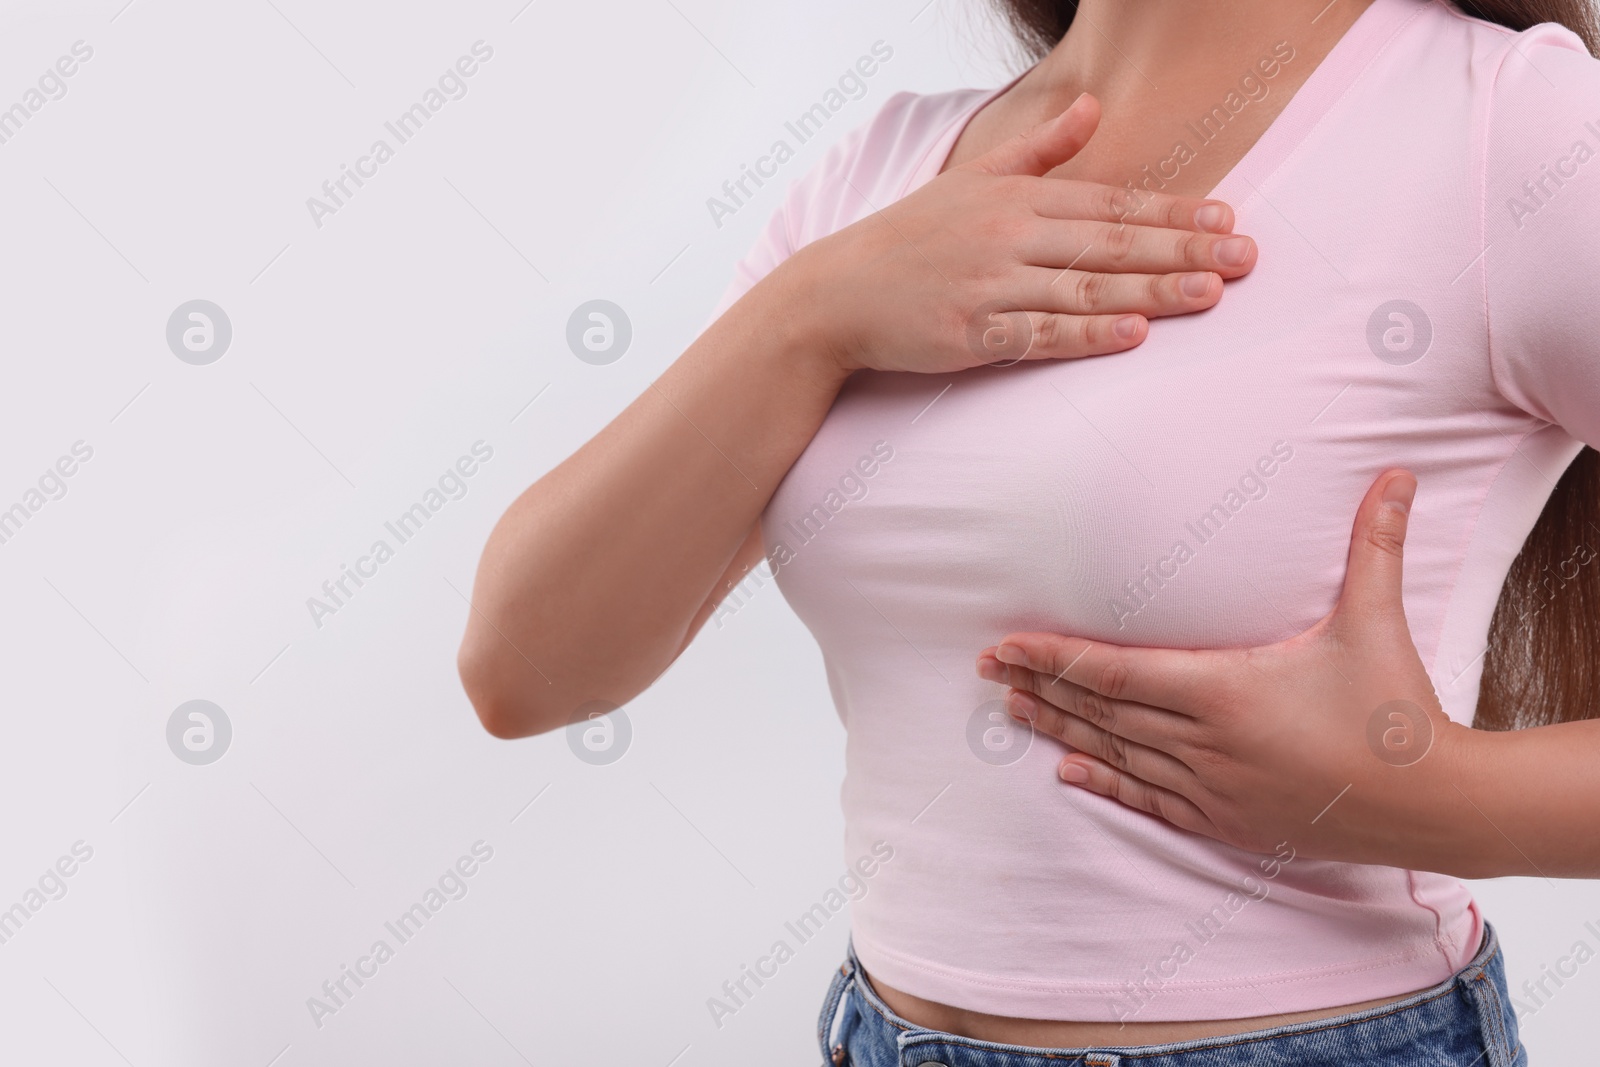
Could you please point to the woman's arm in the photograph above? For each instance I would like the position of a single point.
(600, 573)
(1537, 797)
(595, 578)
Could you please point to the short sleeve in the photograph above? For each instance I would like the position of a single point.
(771, 248)
(828, 197)
(1542, 229)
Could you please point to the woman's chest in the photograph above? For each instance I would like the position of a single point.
(1197, 490)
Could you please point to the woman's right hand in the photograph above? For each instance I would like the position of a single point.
(992, 262)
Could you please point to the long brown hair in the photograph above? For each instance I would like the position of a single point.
(1543, 661)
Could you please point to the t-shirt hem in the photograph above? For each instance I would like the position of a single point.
(1412, 969)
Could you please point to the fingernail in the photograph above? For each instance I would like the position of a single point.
(1213, 217)
(990, 671)
(1232, 252)
(1400, 491)
(1022, 706)
(1127, 327)
(1195, 285)
(1011, 654)
(1074, 773)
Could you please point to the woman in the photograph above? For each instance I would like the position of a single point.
(1261, 862)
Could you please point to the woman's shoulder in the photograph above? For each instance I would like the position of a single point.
(1539, 124)
(872, 164)
(1503, 57)
(862, 170)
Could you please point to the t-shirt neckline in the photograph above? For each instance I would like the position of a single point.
(1350, 55)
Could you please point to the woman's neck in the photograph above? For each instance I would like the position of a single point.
(1159, 68)
(1174, 50)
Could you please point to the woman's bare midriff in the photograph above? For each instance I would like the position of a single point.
(1047, 1033)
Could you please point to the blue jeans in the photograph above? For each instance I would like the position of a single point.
(1465, 1021)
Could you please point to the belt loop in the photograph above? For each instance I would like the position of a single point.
(1491, 1012)
(828, 1020)
(1101, 1059)
(1497, 1021)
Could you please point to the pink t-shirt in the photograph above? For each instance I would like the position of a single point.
(1428, 212)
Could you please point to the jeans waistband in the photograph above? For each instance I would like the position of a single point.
(1479, 1008)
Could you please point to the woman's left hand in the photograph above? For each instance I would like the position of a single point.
(1332, 740)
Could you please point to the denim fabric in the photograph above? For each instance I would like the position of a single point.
(1465, 1021)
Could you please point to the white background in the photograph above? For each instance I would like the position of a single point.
(367, 355)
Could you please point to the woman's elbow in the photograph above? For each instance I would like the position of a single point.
(507, 707)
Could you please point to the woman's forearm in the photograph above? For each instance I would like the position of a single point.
(1528, 802)
(590, 582)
